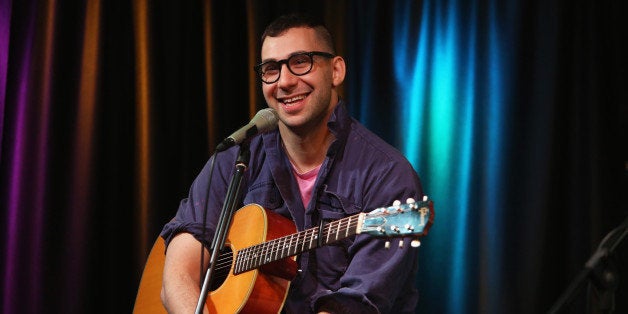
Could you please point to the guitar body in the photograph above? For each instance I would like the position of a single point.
(253, 272)
(262, 290)
(148, 299)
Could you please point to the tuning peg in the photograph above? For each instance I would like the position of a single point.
(415, 243)
(425, 198)
(401, 244)
(396, 203)
(387, 245)
(410, 200)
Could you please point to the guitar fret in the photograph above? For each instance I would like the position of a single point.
(264, 254)
(242, 255)
(307, 239)
(250, 255)
(364, 223)
(270, 251)
(284, 245)
(236, 265)
(273, 250)
(277, 249)
(328, 231)
(252, 258)
(267, 252)
(302, 237)
(304, 240)
(241, 262)
(258, 256)
(247, 260)
(309, 235)
(290, 243)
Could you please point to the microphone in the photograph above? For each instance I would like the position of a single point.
(264, 120)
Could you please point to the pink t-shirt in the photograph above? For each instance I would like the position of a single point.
(306, 183)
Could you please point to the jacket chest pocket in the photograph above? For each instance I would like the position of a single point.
(265, 194)
(331, 260)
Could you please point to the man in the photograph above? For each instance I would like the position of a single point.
(319, 164)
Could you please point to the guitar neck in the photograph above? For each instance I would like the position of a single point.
(255, 256)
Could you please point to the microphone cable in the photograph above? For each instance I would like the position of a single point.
(209, 184)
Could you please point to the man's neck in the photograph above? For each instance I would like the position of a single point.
(307, 152)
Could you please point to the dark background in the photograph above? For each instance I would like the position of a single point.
(109, 110)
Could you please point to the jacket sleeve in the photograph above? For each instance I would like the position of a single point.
(189, 216)
(379, 280)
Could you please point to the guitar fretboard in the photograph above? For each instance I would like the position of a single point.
(255, 256)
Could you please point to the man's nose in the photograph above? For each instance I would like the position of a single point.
(286, 77)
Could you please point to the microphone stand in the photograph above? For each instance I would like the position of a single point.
(600, 270)
(228, 209)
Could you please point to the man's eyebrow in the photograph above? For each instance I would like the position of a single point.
(290, 55)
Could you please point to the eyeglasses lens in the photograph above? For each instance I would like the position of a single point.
(299, 64)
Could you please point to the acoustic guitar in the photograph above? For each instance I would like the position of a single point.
(254, 270)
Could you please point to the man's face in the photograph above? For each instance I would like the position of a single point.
(302, 102)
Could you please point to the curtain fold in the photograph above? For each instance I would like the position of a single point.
(513, 113)
(143, 116)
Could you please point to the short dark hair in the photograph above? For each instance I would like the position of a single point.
(285, 22)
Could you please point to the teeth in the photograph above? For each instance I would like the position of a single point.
(293, 99)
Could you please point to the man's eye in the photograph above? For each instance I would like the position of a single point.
(299, 60)
(271, 67)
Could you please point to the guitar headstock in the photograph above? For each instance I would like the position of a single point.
(412, 219)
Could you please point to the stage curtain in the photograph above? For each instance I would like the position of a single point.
(513, 113)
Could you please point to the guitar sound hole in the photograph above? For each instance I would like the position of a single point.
(222, 268)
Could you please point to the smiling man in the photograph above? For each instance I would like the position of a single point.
(319, 166)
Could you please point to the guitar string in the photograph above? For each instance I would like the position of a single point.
(256, 252)
(253, 253)
(274, 246)
(302, 237)
(271, 247)
(225, 260)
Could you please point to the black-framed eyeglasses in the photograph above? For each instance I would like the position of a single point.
(298, 64)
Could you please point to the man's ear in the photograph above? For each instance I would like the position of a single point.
(338, 71)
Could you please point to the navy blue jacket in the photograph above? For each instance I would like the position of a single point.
(361, 172)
